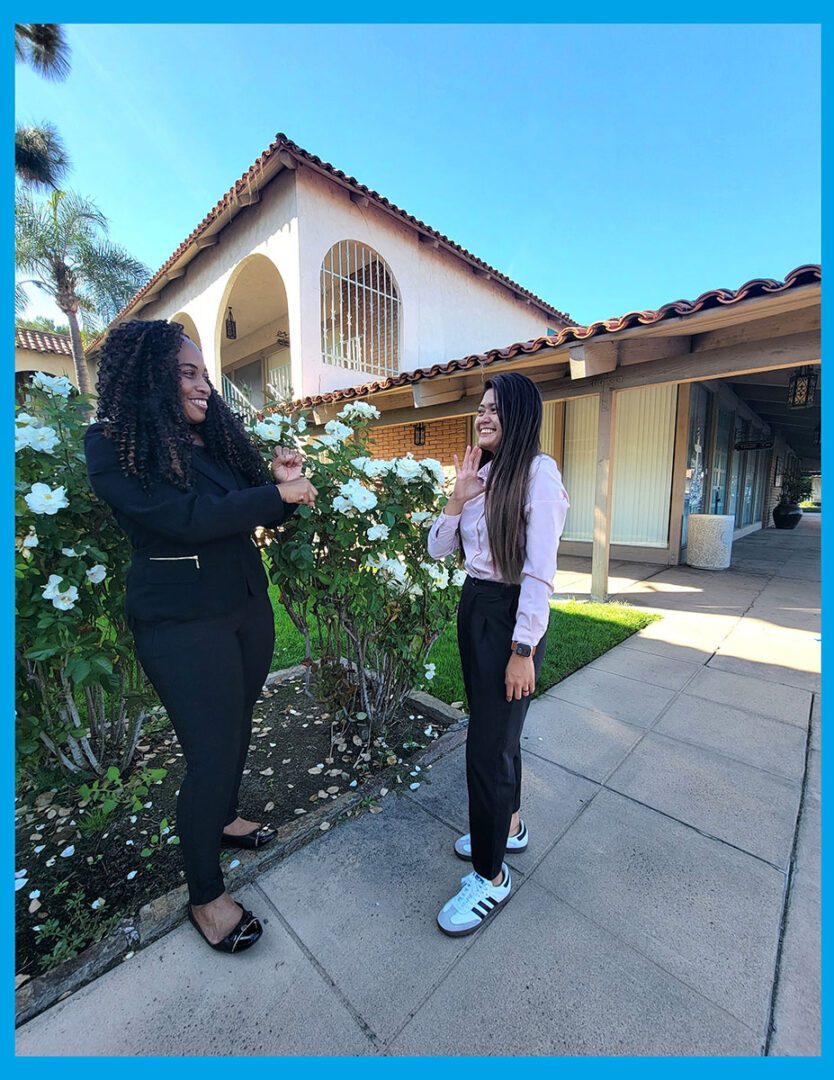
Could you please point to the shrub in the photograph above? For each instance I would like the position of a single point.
(80, 694)
(354, 574)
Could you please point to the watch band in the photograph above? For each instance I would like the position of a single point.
(525, 646)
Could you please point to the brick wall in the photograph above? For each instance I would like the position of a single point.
(443, 438)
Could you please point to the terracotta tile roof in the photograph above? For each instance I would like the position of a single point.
(42, 341)
(803, 275)
(252, 180)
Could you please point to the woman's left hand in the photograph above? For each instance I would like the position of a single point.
(520, 677)
(287, 464)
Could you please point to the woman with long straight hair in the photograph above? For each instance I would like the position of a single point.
(506, 513)
(188, 487)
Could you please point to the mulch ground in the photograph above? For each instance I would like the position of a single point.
(77, 874)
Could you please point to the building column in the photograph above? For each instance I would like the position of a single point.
(602, 501)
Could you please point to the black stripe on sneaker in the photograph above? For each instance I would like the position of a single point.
(476, 911)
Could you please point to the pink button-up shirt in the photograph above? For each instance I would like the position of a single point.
(544, 513)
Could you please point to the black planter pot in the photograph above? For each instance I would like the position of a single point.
(786, 515)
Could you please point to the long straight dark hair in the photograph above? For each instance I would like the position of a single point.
(519, 406)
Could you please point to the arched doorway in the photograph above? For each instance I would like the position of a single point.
(187, 323)
(253, 331)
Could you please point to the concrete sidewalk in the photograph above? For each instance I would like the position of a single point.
(668, 903)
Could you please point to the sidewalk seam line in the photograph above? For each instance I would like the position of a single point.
(363, 1025)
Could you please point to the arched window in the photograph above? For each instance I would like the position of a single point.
(360, 310)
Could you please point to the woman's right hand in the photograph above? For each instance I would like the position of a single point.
(298, 491)
(468, 485)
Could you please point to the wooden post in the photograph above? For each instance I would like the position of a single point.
(602, 502)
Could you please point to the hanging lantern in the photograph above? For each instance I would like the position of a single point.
(802, 388)
(231, 326)
(420, 434)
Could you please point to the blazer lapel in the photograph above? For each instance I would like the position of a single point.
(223, 477)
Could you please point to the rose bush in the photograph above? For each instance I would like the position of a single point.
(81, 698)
(354, 574)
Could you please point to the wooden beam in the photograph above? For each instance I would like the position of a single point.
(479, 271)
(249, 198)
(641, 350)
(718, 364)
(358, 198)
(430, 241)
(602, 500)
(427, 393)
(173, 275)
(287, 160)
(205, 242)
(593, 358)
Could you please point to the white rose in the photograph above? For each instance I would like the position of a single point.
(44, 439)
(42, 499)
(301, 425)
(338, 431)
(407, 468)
(431, 671)
(23, 434)
(343, 506)
(51, 588)
(459, 577)
(97, 573)
(57, 385)
(435, 470)
(70, 553)
(359, 410)
(422, 517)
(65, 600)
(271, 429)
(361, 498)
(31, 539)
(378, 532)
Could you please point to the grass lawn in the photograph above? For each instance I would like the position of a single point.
(578, 634)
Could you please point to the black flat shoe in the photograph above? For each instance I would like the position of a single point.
(241, 937)
(251, 840)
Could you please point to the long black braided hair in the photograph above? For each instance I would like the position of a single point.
(140, 405)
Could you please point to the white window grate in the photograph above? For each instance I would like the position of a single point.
(360, 310)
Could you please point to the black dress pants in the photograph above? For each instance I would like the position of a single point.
(486, 620)
(208, 674)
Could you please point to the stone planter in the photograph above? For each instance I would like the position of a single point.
(710, 541)
(786, 515)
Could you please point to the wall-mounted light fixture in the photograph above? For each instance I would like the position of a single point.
(802, 388)
(231, 326)
(420, 434)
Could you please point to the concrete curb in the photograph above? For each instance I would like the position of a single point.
(161, 915)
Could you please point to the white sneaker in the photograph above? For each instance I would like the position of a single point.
(519, 842)
(477, 901)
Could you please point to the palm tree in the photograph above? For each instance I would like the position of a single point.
(40, 158)
(44, 47)
(63, 243)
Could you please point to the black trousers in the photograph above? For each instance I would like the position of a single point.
(208, 674)
(486, 619)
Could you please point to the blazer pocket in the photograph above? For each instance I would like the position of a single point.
(172, 570)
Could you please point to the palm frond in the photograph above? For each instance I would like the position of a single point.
(40, 157)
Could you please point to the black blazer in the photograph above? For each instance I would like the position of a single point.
(193, 553)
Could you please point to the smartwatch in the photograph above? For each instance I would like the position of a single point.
(521, 648)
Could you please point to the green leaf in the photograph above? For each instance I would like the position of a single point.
(145, 853)
(113, 773)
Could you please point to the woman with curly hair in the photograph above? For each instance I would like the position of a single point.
(188, 487)
(506, 514)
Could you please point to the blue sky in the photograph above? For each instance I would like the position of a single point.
(604, 167)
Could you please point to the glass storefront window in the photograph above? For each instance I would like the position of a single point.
(721, 458)
(696, 497)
